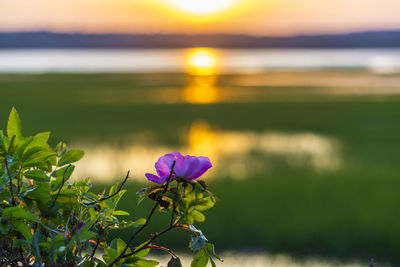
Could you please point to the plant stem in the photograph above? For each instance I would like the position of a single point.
(122, 255)
(155, 236)
(58, 193)
(11, 184)
(165, 249)
(94, 250)
(112, 195)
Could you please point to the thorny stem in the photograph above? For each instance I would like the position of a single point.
(172, 214)
(11, 184)
(173, 209)
(122, 255)
(155, 236)
(94, 250)
(169, 177)
(165, 249)
(19, 180)
(58, 193)
(112, 195)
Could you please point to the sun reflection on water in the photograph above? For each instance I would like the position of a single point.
(235, 154)
(201, 139)
(202, 69)
(201, 93)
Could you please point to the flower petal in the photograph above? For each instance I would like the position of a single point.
(193, 164)
(162, 168)
(164, 163)
(155, 178)
(187, 167)
(203, 165)
(193, 167)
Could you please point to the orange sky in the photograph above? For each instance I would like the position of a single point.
(260, 17)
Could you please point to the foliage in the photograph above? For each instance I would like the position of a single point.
(46, 220)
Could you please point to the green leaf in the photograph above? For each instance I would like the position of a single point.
(23, 146)
(139, 222)
(61, 148)
(90, 195)
(37, 175)
(14, 127)
(30, 151)
(40, 193)
(11, 146)
(59, 174)
(189, 219)
(83, 236)
(4, 194)
(118, 244)
(23, 229)
(41, 139)
(19, 213)
(2, 144)
(110, 255)
(143, 252)
(206, 203)
(38, 158)
(116, 247)
(120, 213)
(107, 204)
(211, 249)
(212, 262)
(197, 216)
(113, 189)
(67, 196)
(200, 259)
(70, 157)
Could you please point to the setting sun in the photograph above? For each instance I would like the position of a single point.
(201, 7)
(202, 61)
(202, 58)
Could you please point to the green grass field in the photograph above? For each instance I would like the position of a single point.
(351, 212)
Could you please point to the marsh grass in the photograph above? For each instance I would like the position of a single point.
(348, 213)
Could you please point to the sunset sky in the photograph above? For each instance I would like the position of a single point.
(257, 17)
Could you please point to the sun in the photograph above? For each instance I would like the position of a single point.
(202, 58)
(201, 6)
(201, 61)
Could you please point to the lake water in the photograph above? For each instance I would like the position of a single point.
(175, 60)
(305, 143)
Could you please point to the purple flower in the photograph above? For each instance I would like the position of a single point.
(187, 167)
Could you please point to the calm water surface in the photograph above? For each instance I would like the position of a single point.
(174, 60)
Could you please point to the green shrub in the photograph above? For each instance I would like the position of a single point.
(46, 220)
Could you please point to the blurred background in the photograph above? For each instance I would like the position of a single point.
(297, 104)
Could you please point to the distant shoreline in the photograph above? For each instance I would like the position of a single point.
(52, 40)
(175, 60)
